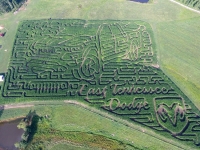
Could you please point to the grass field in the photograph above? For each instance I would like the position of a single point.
(181, 65)
(176, 32)
(93, 122)
(69, 147)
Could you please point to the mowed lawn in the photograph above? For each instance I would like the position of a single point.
(179, 54)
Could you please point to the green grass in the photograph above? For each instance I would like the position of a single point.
(68, 147)
(178, 54)
(75, 120)
(48, 137)
(68, 120)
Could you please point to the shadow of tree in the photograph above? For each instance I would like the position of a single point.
(33, 120)
(1, 110)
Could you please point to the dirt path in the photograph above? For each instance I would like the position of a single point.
(11, 106)
(185, 6)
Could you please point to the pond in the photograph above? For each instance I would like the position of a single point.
(141, 1)
(10, 134)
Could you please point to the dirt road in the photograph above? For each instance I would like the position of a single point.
(11, 106)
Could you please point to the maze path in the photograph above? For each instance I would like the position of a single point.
(109, 64)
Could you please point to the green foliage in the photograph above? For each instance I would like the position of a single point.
(29, 124)
(21, 145)
(22, 125)
(47, 137)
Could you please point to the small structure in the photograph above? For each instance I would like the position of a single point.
(2, 34)
(1, 27)
(1, 78)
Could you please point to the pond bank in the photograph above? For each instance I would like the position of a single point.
(11, 119)
(141, 1)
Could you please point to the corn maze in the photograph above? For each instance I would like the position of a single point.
(191, 3)
(108, 64)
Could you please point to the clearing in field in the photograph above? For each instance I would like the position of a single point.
(109, 64)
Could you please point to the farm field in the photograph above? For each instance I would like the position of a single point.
(109, 64)
(132, 66)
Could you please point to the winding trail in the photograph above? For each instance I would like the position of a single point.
(185, 6)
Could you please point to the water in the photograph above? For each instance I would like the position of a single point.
(141, 1)
(10, 134)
